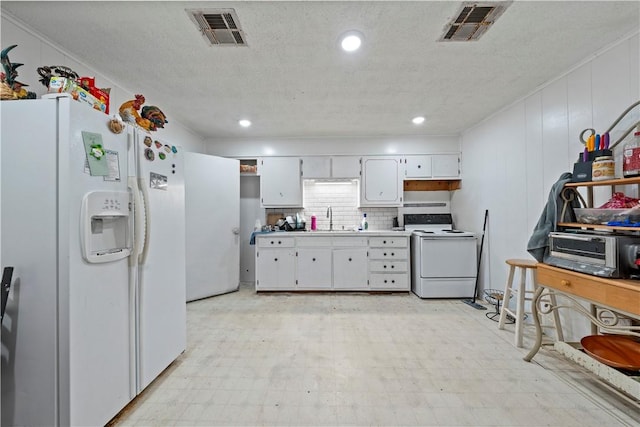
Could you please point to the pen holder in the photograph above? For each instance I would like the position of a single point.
(582, 171)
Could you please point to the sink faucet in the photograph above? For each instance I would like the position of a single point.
(330, 216)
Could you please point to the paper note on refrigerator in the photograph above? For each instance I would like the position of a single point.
(113, 165)
(95, 153)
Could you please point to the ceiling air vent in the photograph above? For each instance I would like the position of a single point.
(220, 27)
(473, 20)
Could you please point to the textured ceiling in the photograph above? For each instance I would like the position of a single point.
(293, 81)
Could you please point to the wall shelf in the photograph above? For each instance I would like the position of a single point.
(597, 226)
(431, 185)
(612, 182)
(248, 167)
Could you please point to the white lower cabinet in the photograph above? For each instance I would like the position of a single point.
(343, 262)
(350, 269)
(275, 263)
(275, 269)
(389, 263)
(389, 281)
(314, 268)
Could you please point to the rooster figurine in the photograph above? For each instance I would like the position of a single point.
(129, 112)
(155, 115)
(151, 119)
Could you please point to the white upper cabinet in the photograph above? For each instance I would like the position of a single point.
(381, 181)
(280, 183)
(316, 167)
(345, 167)
(434, 166)
(416, 167)
(319, 167)
(445, 166)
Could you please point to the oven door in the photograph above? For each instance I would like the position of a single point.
(448, 257)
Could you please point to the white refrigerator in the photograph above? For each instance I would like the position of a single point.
(158, 278)
(212, 225)
(64, 227)
(95, 233)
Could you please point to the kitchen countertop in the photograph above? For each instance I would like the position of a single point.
(326, 233)
(343, 233)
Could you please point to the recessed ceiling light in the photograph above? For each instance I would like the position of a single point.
(418, 120)
(351, 41)
(244, 123)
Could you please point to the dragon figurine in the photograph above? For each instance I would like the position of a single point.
(151, 119)
(12, 88)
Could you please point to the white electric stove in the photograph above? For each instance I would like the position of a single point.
(443, 259)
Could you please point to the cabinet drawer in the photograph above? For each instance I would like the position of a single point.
(622, 295)
(276, 242)
(313, 241)
(388, 242)
(344, 241)
(388, 266)
(389, 281)
(389, 253)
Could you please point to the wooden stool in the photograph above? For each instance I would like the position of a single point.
(523, 294)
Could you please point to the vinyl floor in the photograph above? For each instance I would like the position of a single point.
(349, 359)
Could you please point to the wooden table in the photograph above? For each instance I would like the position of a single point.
(612, 296)
(607, 299)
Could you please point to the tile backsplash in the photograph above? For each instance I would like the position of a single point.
(342, 196)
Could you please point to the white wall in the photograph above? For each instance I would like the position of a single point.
(511, 160)
(34, 51)
(255, 147)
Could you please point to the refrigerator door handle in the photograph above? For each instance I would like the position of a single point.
(138, 240)
(7, 274)
(147, 220)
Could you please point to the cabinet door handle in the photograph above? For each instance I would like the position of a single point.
(272, 242)
(385, 254)
(349, 259)
(565, 283)
(385, 280)
(279, 242)
(275, 259)
(392, 254)
(384, 242)
(393, 266)
(384, 266)
(313, 259)
(393, 281)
